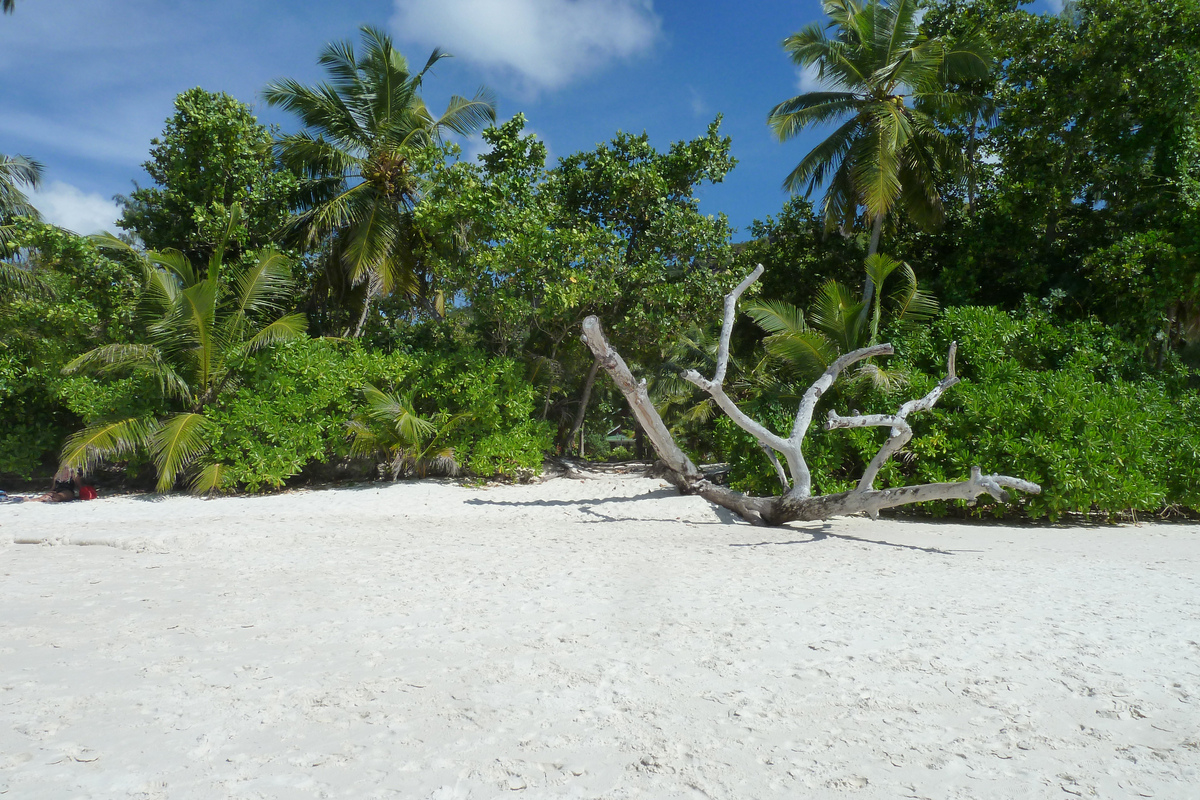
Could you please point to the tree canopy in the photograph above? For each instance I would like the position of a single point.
(213, 154)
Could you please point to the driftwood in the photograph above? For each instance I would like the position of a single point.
(797, 501)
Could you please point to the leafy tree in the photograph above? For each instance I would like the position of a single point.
(70, 297)
(614, 231)
(8, 5)
(362, 132)
(798, 256)
(212, 155)
(1094, 194)
(201, 328)
(888, 88)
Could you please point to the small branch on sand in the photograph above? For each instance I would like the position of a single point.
(797, 501)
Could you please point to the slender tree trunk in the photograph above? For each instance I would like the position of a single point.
(868, 285)
(972, 146)
(550, 381)
(362, 317)
(584, 399)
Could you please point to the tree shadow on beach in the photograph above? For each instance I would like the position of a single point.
(823, 533)
(657, 494)
(587, 505)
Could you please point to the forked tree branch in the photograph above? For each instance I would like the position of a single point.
(900, 433)
(797, 502)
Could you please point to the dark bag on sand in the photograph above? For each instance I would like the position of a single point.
(87, 493)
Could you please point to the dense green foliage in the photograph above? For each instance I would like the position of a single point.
(73, 298)
(615, 231)
(1070, 406)
(1091, 192)
(200, 328)
(292, 410)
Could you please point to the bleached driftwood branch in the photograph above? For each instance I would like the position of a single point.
(797, 501)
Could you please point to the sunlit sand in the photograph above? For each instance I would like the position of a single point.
(589, 638)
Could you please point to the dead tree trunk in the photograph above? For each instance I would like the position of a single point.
(797, 502)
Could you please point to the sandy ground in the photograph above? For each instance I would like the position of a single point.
(596, 638)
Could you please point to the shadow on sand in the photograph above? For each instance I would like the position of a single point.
(587, 505)
(823, 533)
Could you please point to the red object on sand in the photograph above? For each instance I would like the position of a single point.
(87, 493)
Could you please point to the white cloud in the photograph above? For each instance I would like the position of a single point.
(68, 207)
(545, 43)
(807, 79)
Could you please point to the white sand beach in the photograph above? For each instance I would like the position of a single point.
(586, 638)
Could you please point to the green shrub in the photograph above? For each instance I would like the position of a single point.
(1070, 407)
(291, 412)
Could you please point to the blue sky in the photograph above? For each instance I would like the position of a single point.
(85, 84)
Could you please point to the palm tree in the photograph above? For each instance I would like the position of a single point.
(839, 323)
(362, 130)
(16, 171)
(888, 86)
(202, 327)
(8, 5)
(389, 428)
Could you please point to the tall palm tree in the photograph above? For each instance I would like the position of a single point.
(8, 5)
(887, 86)
(361, 132)
(202, 327)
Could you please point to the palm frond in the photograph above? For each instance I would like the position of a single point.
(285, 329)
(839, 315)
(369, 242)
(198, 308)
(314, 157)
(792, 116)
(208, 480)
(105, 440)
(465, 117)
(807, 352)
(176, 443)
(968, 57)
(266, 284)
(176, 263)
(777, 316)
(909, 303)
(825, 158)
(21, 280)
(876, 170)
(879, 266)
(114, 358)
(233, 218)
